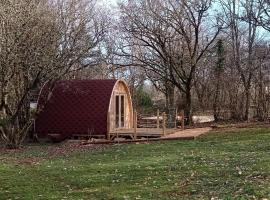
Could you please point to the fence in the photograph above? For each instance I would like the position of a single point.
(159, 121)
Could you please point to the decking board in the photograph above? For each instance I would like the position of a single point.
(142, 132)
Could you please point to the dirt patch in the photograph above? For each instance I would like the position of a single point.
(26, 156)
(66, 148)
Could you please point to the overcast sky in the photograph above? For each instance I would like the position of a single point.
(112, 2)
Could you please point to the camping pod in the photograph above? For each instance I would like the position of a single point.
(83, 108)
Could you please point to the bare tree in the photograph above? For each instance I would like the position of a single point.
(263, 19)
(218, 71)
(170, 38)
(243, 34)
(40, 41)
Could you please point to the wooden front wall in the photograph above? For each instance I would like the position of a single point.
(121, 89)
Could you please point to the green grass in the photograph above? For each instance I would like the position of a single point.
(226, 165)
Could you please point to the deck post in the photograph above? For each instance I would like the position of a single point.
(135, 124)
(108, 126)
(158, 119)
(182, 119)
(175, 121)
(163, 124)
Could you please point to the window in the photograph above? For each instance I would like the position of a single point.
(119, 111)
(122, 117)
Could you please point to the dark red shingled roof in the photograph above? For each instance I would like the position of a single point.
(75, 107)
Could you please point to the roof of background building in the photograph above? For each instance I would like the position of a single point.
(75, 107)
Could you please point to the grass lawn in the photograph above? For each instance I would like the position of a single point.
(228, 164)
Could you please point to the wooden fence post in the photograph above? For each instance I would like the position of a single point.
(158, 119)
(183, 120)
(135, 124)
(163, 123)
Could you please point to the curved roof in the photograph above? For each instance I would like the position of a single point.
(75, 107)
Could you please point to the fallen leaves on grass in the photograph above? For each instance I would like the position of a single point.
(25, 156)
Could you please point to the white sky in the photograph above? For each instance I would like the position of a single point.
(110, 2)
(113, 4)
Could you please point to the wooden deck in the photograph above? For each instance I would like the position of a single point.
(141, 133)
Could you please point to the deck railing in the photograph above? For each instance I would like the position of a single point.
(159, 121)
(146, 125)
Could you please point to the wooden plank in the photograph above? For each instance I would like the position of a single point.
(87, 135)
(143, 132)
(141, 140)
(138, 134)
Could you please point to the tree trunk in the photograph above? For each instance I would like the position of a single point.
(247, 96)
(216, 102)
(262, 101)
(188, 106)
(170, 105)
